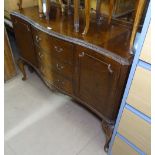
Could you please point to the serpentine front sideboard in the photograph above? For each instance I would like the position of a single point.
(92, 69)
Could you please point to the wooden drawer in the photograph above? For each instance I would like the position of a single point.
(61, 83)
(146, 50)
(43, 40)
(121, 148)
(140, 91)
(136, 130)
(63, 69)
(63, 51)
(50, 62)
(60, 49)
(56, 79)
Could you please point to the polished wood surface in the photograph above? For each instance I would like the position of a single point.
(22, 28)
(95, 71)
(114, 37)
(9, 64)
(96, 78)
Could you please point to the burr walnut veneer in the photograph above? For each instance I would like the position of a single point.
(91, 69)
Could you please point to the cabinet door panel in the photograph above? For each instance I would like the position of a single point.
(24, 40)
(97, 82)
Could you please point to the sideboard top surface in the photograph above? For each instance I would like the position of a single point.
(111, 40)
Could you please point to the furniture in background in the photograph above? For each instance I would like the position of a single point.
(10, 5)
(132, 132)
(9, 64)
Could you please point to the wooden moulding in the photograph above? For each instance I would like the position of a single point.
(87, 16)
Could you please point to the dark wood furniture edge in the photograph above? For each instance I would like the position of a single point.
(97, 49)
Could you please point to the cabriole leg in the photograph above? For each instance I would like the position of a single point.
(108, 130)
(21, 65)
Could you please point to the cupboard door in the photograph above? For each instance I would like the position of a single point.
(97, 82)
(24, 40)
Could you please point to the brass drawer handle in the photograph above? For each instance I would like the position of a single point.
(28, 29)
(58, 49)
(81, 54)
(59, 67)
(38, 39)
(109, 68)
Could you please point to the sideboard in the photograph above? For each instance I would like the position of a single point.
(92, 69)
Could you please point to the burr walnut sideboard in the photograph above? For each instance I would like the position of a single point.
(92, 69)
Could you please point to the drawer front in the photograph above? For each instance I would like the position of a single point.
(63, 84)
(121, 148)
(140, 91)
(43, 40)
(58, 48)
(146, 50)
(57, 80)
(63, 51)
(48, 61)
(64, 69)
(136, 130)
(46, 72)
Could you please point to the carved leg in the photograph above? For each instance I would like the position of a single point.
(76, 15)
(47, 9)
(69, 6)
(21, 65)
(19, 4)
(40, 5)
(111, 6)
(98, 13)
(87, 16)
(108, 130)
(62, 7)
